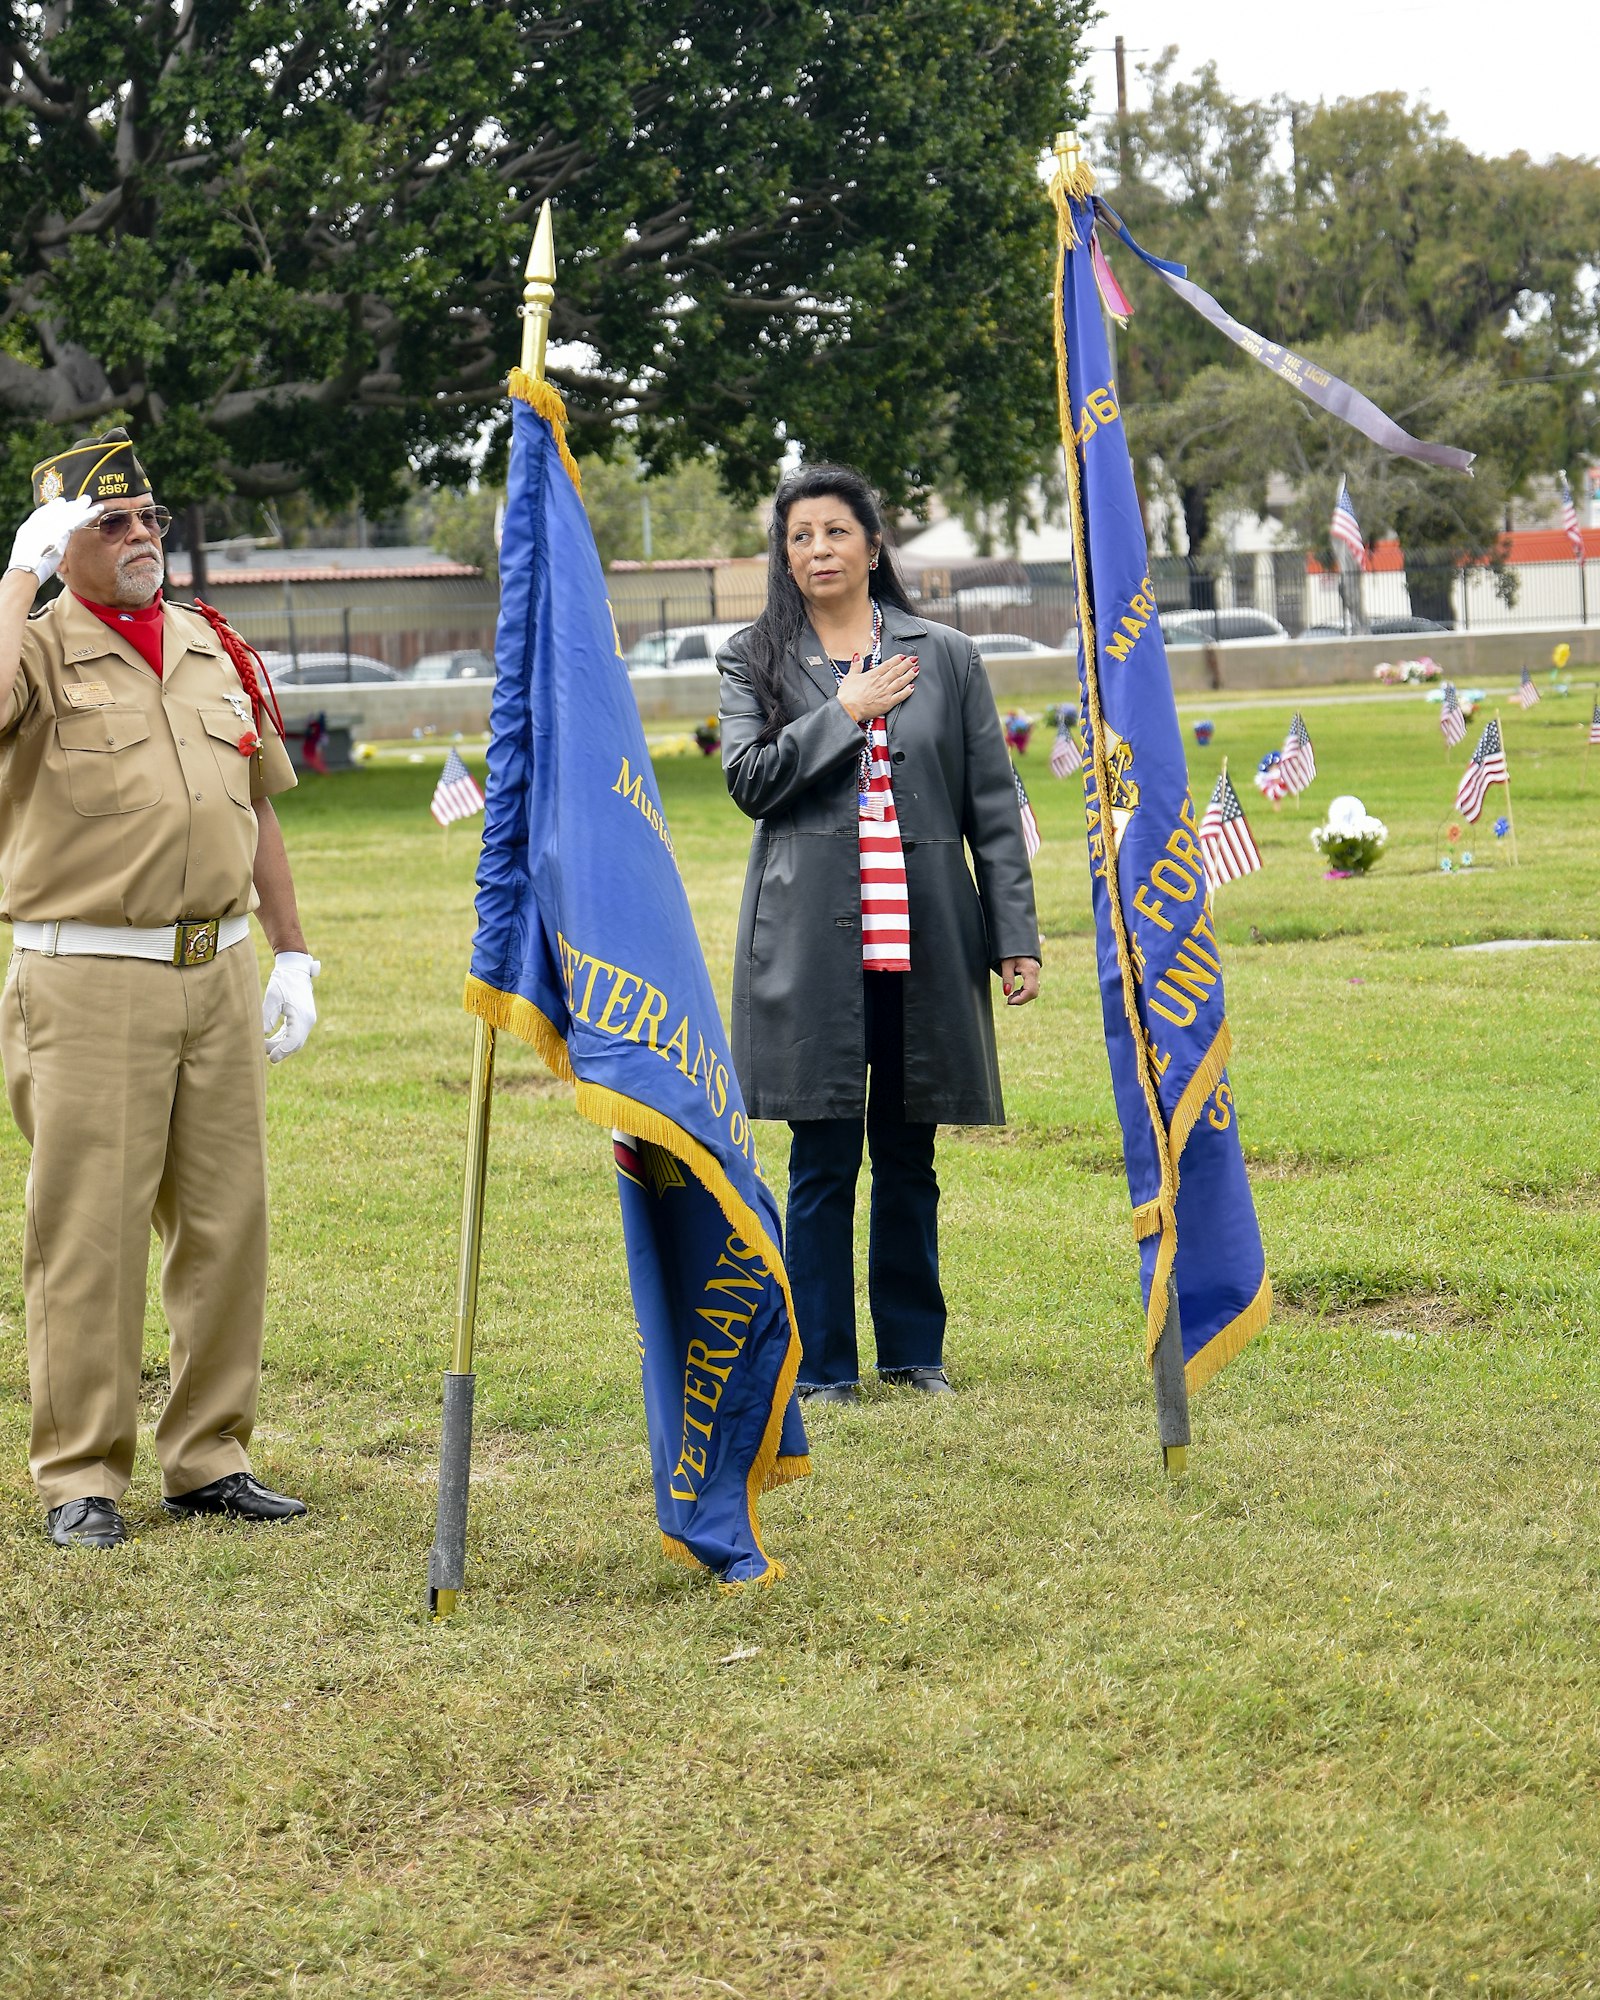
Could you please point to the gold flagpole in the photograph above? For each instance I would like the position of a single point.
(447, 1561)
(1073, 176)
(1511, 818)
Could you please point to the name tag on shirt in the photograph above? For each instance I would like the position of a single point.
(86, 694)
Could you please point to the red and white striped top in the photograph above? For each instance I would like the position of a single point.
(885, 911)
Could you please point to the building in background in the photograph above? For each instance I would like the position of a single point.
(388, 604)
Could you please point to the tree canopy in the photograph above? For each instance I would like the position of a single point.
(285, 240)
(1361, 231)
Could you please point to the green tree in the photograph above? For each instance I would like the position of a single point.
(1399, 225)
(1314, 224)
(1195, 177)
(690, 515)
(1231, 429)
(286, 241)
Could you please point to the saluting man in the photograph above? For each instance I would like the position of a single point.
(138, 755)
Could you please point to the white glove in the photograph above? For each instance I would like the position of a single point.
(42, 539)
(288, 1012)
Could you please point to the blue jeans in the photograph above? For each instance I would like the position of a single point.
(908, 1311)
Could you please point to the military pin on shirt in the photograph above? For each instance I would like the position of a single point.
(250, 741)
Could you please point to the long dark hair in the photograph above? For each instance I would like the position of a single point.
(777, 631)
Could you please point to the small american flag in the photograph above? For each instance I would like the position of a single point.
(456, 796)
(1451, 720)
(1594, 724)
(1345, 529)
(1225, 838)
(1488, 767)
(1569, 521)
(1067, 756)
(1299, 765)
(1527, 694)
(1030, 826)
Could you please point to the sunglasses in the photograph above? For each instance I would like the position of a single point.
(154, 521)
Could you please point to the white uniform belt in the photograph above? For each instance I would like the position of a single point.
(201, 940)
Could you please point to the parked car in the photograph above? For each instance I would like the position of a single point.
(471, 663)
(972, 595)
(989, 643)
(1377, 628)
(325, 669)
(1199, 628)
(692, 646)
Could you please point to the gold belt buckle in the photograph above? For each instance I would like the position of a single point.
(196, 940)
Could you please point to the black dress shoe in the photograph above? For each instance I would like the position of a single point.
(828, 1392)
(86, 1524)
(241, 1496)
(931, 1381)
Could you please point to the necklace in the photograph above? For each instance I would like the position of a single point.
(869, 805)
(875, 657)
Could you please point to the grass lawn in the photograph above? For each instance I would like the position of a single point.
(1323, 1720)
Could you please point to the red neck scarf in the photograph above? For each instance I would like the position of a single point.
(141, 629)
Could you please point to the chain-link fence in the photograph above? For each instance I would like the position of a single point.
(405, 634)
(1280, 595)
(679, 617)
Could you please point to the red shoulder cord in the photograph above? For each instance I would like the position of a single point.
(247, 663)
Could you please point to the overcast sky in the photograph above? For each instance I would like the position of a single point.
(1508, 78)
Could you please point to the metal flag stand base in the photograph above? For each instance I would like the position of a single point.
(1172, 1389)
(447, 1560)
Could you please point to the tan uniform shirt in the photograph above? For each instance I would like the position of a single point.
(125, 799)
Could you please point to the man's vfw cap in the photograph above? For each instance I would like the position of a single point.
(102, 468)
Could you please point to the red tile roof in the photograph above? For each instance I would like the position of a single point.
(1522, 545)
(220, 575)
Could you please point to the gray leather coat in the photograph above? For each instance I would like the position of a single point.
(798, 1028)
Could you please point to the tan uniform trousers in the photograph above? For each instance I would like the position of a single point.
(141, 1088)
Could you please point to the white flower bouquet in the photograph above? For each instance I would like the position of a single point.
(1350, 840)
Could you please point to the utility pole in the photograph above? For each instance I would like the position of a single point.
(644, 522)
(194, 533)
(1122, 111)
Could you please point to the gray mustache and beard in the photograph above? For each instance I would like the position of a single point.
(139, 574)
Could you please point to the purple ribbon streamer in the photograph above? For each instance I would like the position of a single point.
(1316, 384)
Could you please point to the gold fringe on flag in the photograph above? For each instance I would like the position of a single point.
(547, 402)
(610, 1110)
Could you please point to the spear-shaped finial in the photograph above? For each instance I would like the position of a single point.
(538, 295)
(1074, 175)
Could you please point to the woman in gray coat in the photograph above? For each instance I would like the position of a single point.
(863, 741)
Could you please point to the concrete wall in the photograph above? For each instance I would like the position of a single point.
(400, 708)
(393, 708)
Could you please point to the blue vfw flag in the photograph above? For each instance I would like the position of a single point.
(586, 949)
(1159, 964)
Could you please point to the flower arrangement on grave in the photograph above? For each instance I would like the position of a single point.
(1269, 779)
(1350, 840)
(708, 735)
(1019, 728)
